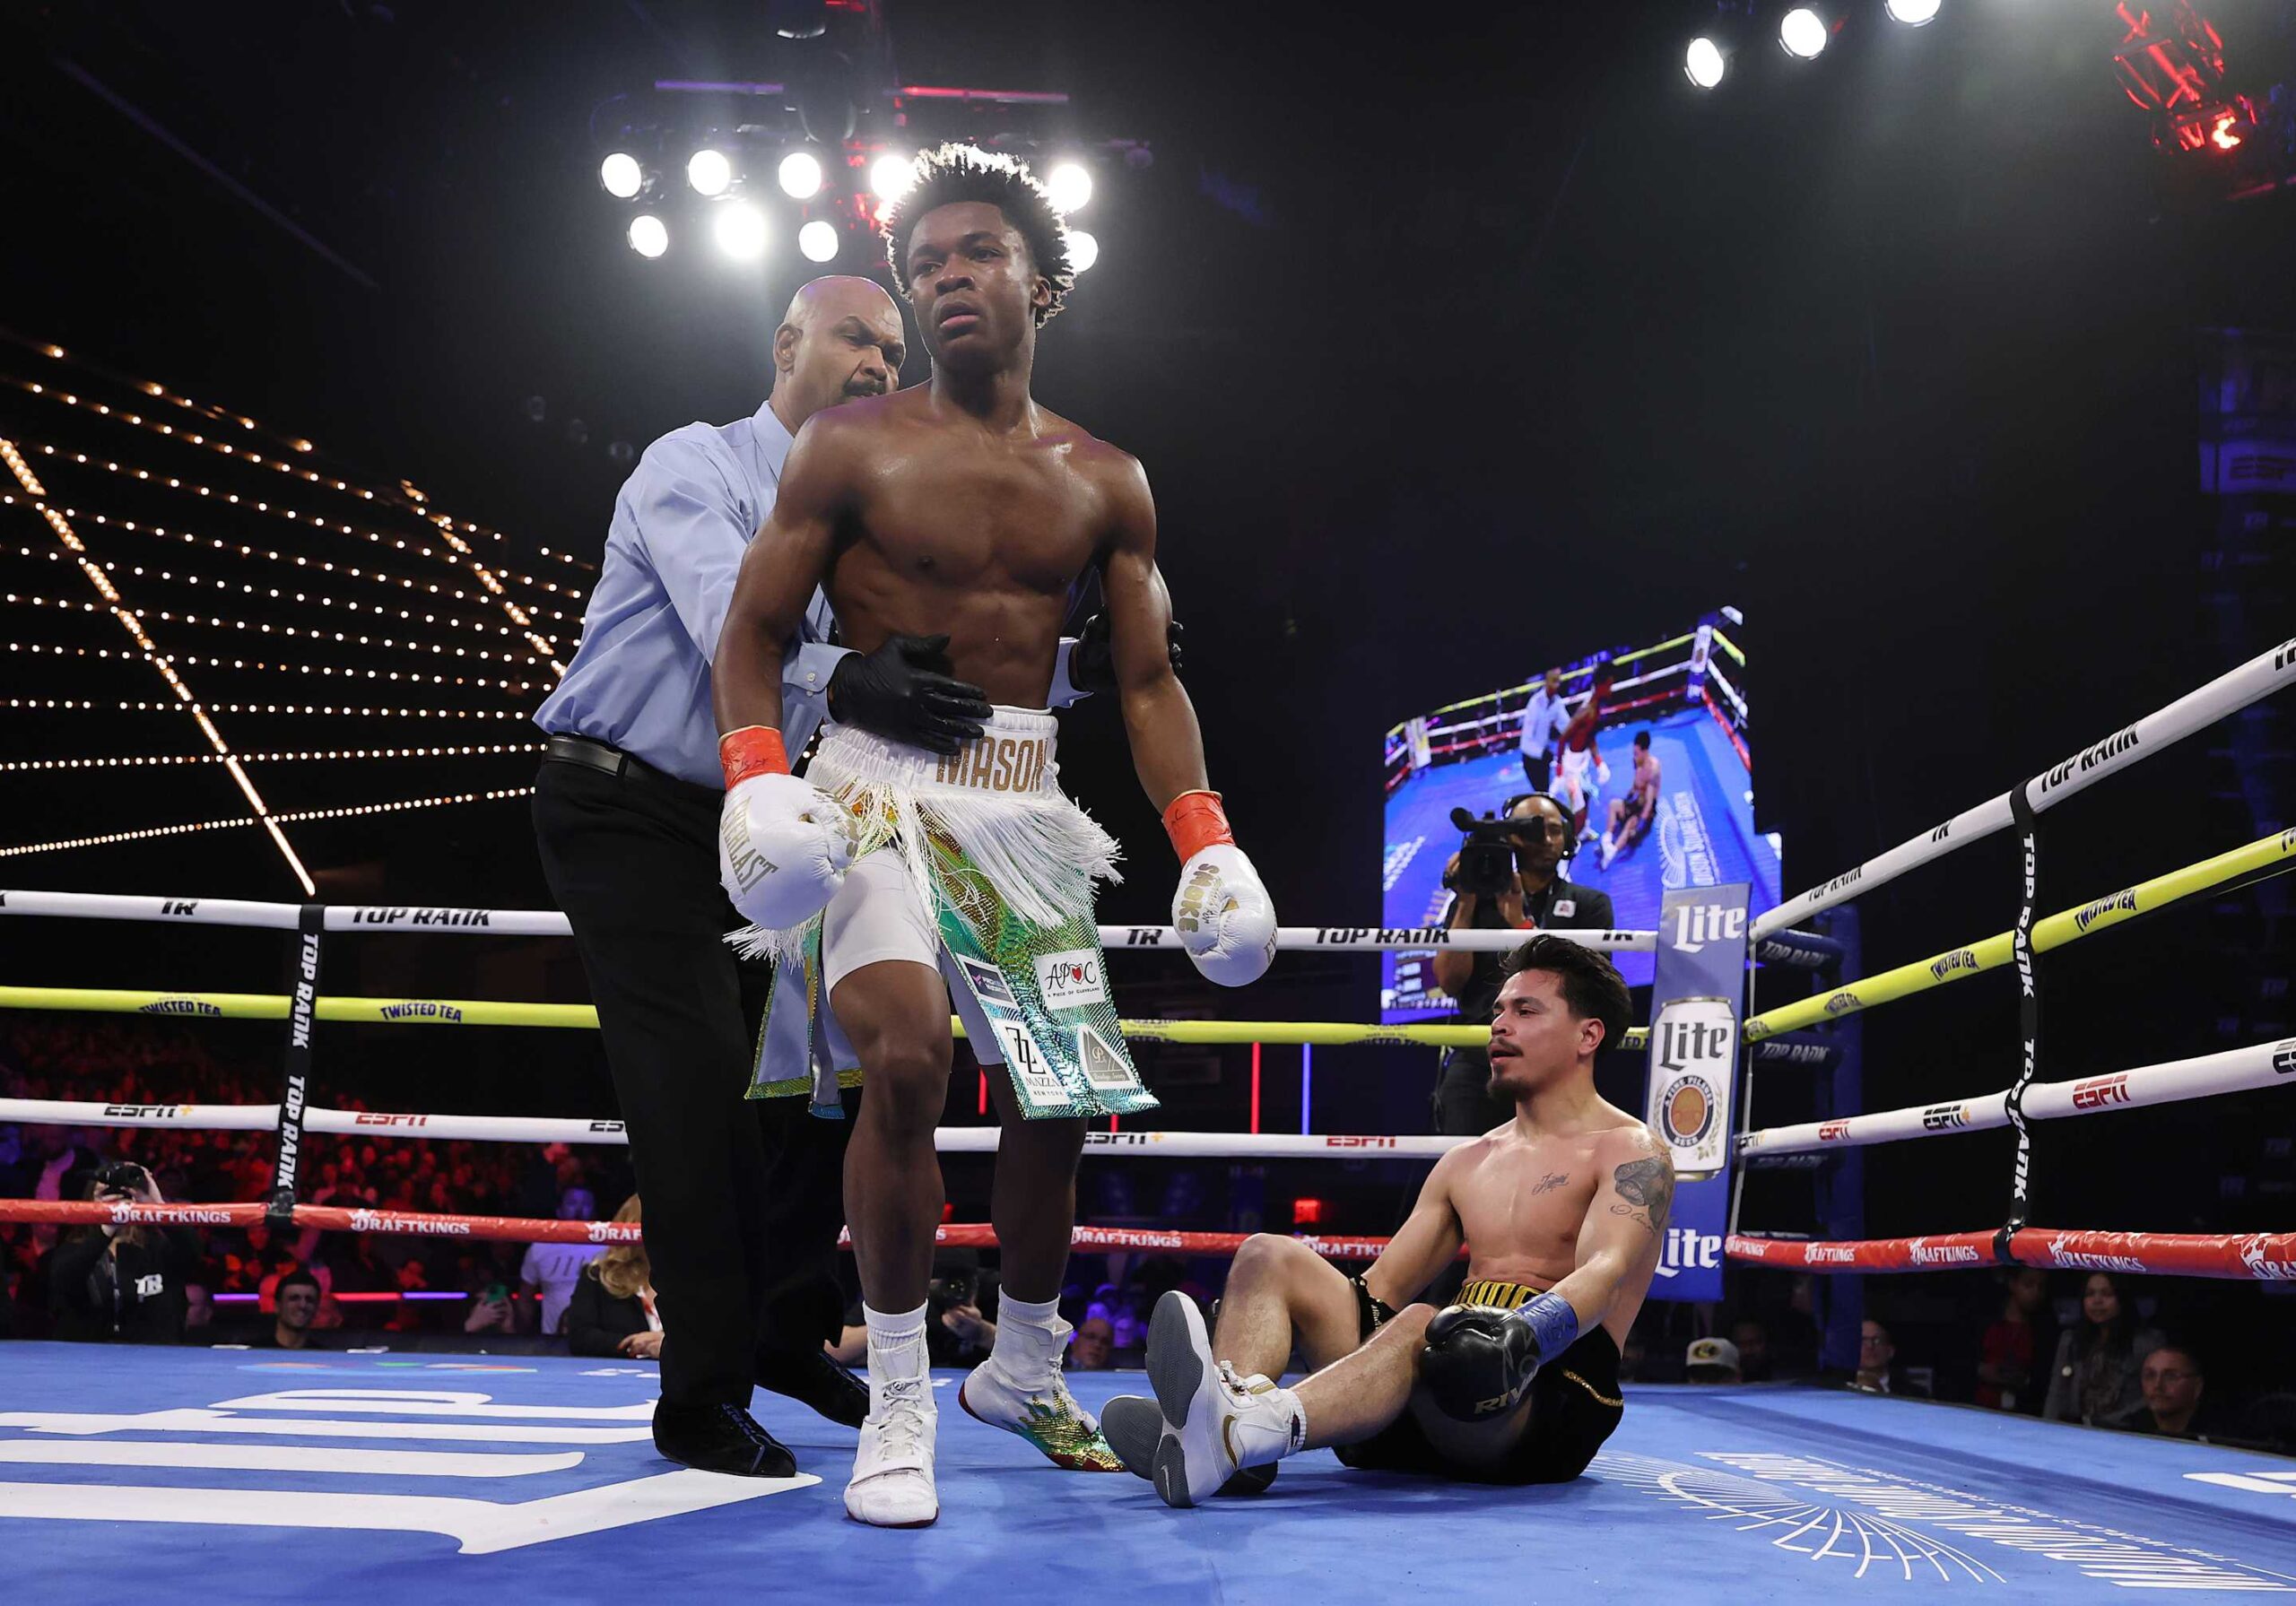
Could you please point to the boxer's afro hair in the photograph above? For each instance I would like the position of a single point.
(956, 173)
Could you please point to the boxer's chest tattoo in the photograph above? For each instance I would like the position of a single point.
(1551, 1181)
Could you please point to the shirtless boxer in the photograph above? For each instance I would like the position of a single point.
(963, 509)
(1631, 816)
(1583, 769)
(1565, 1211)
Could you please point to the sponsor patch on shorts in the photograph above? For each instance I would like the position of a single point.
(1072, 977)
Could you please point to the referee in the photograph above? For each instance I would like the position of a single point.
(743, 1199)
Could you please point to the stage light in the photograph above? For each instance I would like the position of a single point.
(739, 229)
(709, 172)
(1703, 63)
(800, 175)
(1083, 251)
(1070, 186)
(1913, 14)
(818, 240)
(649, 235)
(1802, 33)
(889, 176)
(622, 176)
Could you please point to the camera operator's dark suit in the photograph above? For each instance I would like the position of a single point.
(1464, 1107)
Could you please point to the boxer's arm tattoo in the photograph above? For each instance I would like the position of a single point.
(1550, 1181)
(1649, 1183)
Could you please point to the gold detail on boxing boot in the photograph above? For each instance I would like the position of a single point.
(1052, 1422)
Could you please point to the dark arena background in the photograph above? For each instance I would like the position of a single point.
(1892, 403)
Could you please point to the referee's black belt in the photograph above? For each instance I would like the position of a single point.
(593, 754)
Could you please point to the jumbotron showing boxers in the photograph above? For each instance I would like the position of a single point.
(686, 803)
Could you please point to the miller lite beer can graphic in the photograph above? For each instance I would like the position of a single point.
(1693, 1050)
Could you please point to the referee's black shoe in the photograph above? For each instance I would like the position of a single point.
(812, 1378)
(720, 1438)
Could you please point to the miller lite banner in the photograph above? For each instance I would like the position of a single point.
(1696, 999)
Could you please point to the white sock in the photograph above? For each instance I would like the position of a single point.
(1026, 1313)
(1259, 1445)
(1030, 1334)
(896, 1344)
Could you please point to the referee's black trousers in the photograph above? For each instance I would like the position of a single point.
(743, 1199)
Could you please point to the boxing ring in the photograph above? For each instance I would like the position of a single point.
(120, 1466)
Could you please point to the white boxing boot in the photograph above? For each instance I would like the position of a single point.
(893, 1468)
(1019, 1389)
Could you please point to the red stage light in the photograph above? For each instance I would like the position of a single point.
(1307, 1213)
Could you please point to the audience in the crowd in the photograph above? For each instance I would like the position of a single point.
(2108, 1367)
(610, 1310)
(2017, 1344)
(2100, 1358)
(297, 1295)
(2174, 1405)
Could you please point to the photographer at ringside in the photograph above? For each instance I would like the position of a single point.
(1507, 876)
(117, 1284)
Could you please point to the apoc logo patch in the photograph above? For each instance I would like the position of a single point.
(1072, 978)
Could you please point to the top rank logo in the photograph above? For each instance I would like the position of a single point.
(2121, 741)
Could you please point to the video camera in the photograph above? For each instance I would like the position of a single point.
(1487, 854)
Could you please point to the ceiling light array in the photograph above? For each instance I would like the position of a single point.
(64, 532)
(462, 554)
(167, 617)
(296, 816)
(1802, 33)
(129, 706)
(720, 174)
(205, 410)
(375, 576)
(444, 542)
(326, 756)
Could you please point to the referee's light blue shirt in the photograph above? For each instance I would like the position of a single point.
(640, 679)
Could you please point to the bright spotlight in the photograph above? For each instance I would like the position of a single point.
(801, 176)
(1071, 185)
(709, 172)
(889, 176)
(818, 240)
(622, 176)
(649, 235)
(1703, 63)
(1913, 14)
(1083, 251)
(739, 229)
(1803, 32)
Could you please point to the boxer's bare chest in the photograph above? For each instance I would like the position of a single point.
(956, 509)
(1522, 1206)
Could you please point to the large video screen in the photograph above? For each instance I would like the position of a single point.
(1686, 692)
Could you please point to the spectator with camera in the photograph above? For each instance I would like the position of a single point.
(119, 1283)
(1507, 876)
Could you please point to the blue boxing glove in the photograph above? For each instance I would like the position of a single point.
(1480, 1360)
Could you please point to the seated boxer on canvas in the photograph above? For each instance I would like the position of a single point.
(1565, 1209)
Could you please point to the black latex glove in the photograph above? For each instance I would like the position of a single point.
(903, 691)
(1092, 662)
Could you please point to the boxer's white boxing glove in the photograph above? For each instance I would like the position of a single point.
(1225, 920)
(782, 850)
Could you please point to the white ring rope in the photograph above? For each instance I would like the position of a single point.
(2235, 1070)
(537, 1129)
(549, 922)
(2259, 678)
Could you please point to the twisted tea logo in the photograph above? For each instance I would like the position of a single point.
(1945, 965)
(1842, 1004)
(2088, 915)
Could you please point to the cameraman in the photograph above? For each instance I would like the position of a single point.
(1489, 893)
(122, 1283)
